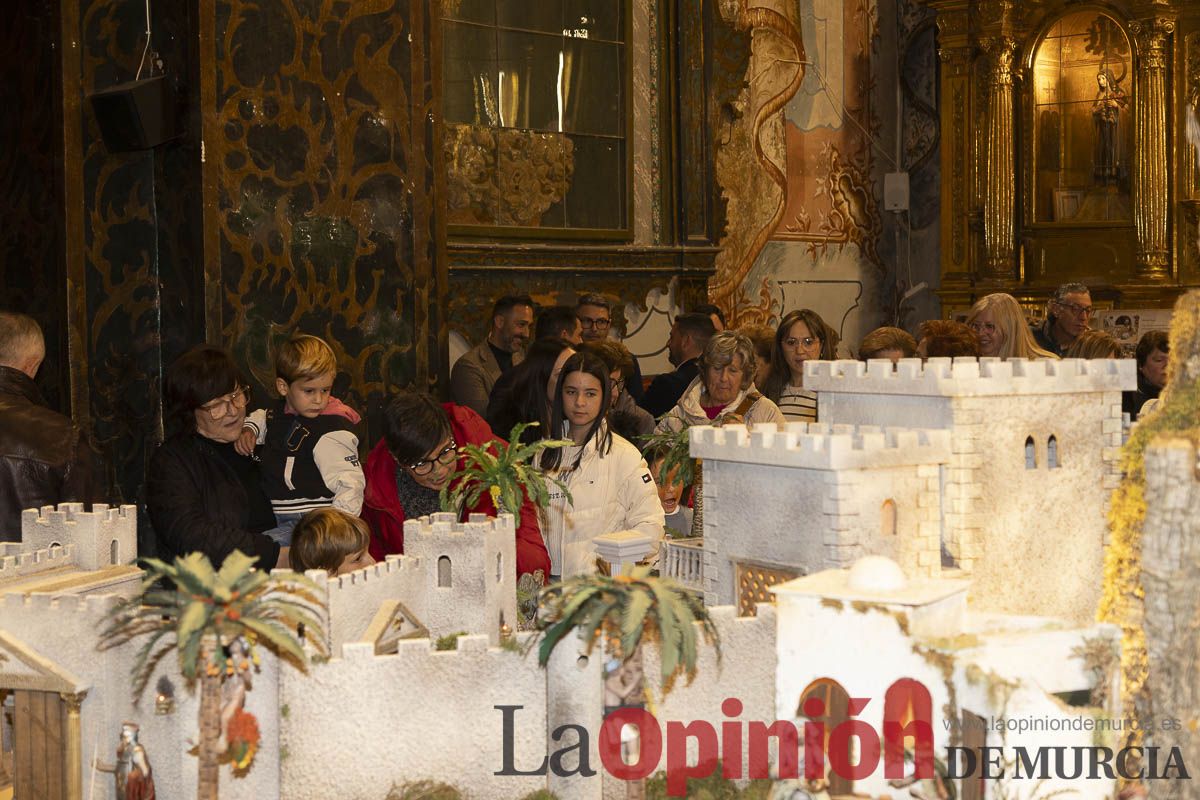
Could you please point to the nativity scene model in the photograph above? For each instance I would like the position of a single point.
(937, 548)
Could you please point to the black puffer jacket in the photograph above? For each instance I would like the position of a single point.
(44, 460)
(198, 502)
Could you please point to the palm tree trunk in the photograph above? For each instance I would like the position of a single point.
(698, 499)
(208, 784)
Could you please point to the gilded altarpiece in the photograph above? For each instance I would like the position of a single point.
(1069, 154)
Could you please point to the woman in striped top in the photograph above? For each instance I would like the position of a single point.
(802, 336)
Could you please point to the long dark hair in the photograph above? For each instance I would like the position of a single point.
(525, 400)
(593, 365)
(781, 374)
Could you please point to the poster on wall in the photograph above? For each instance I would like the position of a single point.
(1127, 325)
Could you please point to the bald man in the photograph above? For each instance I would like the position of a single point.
(44, 459)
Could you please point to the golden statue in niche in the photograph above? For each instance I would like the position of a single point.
(1082, 116)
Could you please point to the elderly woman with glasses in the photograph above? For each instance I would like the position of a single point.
(724, 391)
(415, 459)
(201, 494)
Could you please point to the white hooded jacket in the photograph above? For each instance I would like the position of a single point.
(610, 492)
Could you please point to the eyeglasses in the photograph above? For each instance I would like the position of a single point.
(235, 400)
(598, 324)
(1076, 309)
(618, 384)
(445, 456)
(807, 341)
(983, 327)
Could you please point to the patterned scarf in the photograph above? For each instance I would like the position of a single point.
(415, 499)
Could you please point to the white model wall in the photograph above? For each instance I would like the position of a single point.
(745, 671)
(362, 723)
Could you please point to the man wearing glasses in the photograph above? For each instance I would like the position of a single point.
(1068, 314)
(595, 315)
(415, 459)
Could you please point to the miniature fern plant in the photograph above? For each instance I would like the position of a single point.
(505, 471)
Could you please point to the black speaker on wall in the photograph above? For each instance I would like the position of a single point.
(136, 115)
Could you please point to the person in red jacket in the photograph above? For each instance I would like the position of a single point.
(415, 459)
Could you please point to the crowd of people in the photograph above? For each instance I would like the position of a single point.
(284, 482)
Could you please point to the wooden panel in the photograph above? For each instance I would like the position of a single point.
(974, 737)
(753, 580)
(38, 752)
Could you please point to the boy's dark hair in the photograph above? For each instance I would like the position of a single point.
(1151, 341)
(708, 309)
(199, 376)
(557, 322)
(413, 425)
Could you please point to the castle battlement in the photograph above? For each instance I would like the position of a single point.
(444, 524)
(91, 604)
(33, 561)
(819, 446)
(392, 565)
(101, 515)
(944, 377)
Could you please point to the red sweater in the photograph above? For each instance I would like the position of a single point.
(383, 512)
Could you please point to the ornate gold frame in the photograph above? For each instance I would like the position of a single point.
(990, 239)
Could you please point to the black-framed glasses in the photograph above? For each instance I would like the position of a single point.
(446, 455)
(235, 400)
(1076, 309)
(598, 324)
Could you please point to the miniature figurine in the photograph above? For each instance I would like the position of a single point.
(135, 778)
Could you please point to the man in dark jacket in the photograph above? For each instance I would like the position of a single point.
(44, 459)
(689, 336)
(1067, 316)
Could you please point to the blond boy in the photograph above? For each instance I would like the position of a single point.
(309, 449)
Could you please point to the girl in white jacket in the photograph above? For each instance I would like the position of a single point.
(611, 488)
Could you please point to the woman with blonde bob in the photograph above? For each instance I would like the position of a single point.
(1002, 330)
(724, 391)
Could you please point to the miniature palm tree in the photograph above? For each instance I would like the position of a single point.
(505, 471)
(215, 621)
(625, 611)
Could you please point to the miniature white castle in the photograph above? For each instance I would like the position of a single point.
(924, 466)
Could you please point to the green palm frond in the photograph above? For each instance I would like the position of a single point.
(625, 611)
(505, 467)
(208, 609)
(676, 448)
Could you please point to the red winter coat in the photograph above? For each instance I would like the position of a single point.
(383, 512)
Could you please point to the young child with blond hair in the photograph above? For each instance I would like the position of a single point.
(331, 540)
(309, 449)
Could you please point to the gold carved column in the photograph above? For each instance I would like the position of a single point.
(1151, 190)
(955, 53)
(999, 204)
(74, 734)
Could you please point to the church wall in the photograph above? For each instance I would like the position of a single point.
(806, 221)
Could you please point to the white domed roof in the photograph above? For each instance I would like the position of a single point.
(877, 574)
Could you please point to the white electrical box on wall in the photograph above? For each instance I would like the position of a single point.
(895, 191)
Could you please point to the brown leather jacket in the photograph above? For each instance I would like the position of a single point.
(44, 460)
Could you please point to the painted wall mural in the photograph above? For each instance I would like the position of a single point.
(319, 187)
(820, 124)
